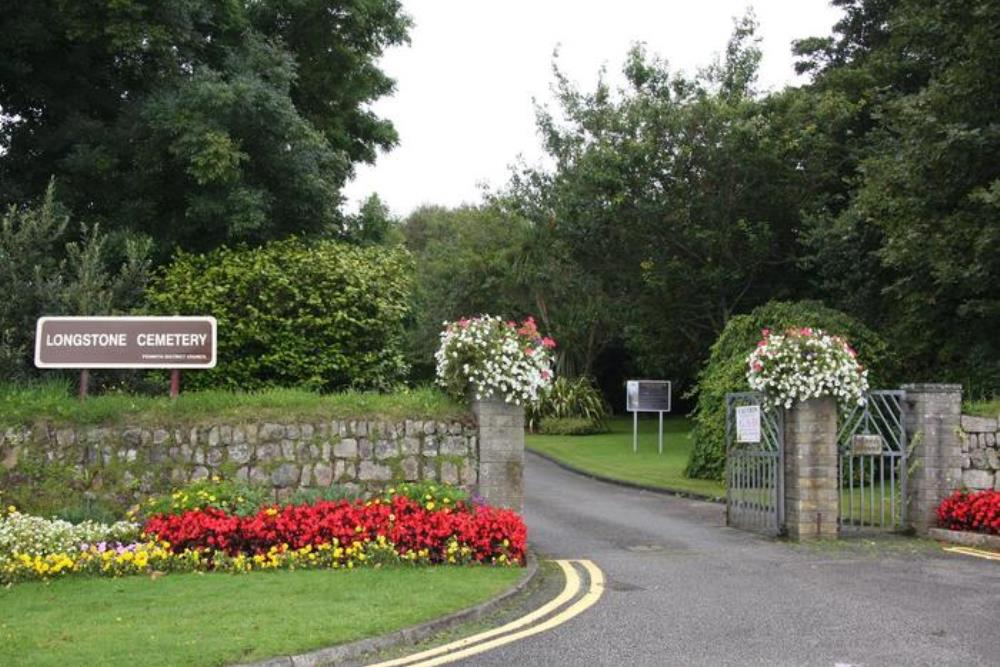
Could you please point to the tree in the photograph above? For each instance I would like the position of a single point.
(47, 270)
(676, 198)
(195, 122)
(922, 206)
(464, 266)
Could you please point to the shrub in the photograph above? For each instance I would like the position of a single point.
(323, 315)
(726, 369)
(571, 426)
(491, 357)
(977, 511)
(578, 399)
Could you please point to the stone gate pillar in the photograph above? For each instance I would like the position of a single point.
(811, 474)
(501, 452)
(933, 421)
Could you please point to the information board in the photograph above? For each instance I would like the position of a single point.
(125, 342)
(748, 423)
(647, 396)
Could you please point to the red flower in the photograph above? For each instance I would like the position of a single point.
(488, 531)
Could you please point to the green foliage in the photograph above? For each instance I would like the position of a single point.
(325, 315)
(228, 495)
(674, 196)
(983, 408)
(567, 399)
(427, 493)
(334, 492)
(193, 121)
(464, 260)
(46, 269)
(912, 243)
(571, 426)
(726, 368)
(373, 224)
(53, 402)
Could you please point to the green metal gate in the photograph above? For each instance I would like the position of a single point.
(872, 459)
(755, 493)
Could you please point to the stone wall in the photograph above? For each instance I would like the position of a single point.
(284, 455)
(980, 452)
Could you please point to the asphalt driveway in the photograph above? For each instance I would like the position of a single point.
(682, 589)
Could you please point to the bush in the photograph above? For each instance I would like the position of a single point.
(978, 512)
(571, 426)
(323, 315)
(565, 399)
(726, 369)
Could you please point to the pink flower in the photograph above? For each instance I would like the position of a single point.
(765, 332)
(546, 375)
(548, 342)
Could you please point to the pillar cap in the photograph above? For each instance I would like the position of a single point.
(932, 388)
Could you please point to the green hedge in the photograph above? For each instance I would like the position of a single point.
(725, 370)
(572, 426)
(323, 315)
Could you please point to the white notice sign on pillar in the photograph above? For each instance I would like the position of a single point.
(748, 423)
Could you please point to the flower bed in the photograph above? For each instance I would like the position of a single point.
(976, 512)
(394, 529)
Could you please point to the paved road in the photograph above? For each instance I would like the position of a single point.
(685, 590)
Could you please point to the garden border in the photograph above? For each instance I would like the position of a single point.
(965, 537)
(628, 485)
(410, 635)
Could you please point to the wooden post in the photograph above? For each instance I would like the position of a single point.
(175, 383)
(84, 381)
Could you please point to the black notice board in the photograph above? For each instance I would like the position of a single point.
(647, 395)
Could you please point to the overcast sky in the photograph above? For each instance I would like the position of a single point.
(464, 87)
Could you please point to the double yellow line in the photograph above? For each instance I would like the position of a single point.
(978, 553)
(512, 632)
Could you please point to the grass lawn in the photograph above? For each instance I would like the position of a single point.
(983, 408)
(215, 619)
(610, 454)
(53, 401)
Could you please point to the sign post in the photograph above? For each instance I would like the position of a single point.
(647, 396)
(126, 342)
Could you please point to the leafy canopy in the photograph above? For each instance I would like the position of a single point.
(195, 122)
(324, 315)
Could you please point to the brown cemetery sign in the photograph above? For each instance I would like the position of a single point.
(125, 342)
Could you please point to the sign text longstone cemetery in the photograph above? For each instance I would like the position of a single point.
(125, 342)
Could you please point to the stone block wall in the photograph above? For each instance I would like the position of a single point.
(288, 455)
(980, 437)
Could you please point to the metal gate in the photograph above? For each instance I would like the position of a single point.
(755, 493)
(872, 462)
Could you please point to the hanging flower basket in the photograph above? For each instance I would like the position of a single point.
(801, 364)
(491, 357)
